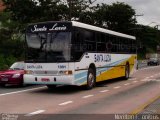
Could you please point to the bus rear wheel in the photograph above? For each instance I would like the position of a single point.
(51, 86)
(127, 71)
(91, 79)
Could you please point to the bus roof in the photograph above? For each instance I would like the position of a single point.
(91, 27)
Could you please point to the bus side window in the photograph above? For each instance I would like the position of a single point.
(107, 42)
(77, 44)
(133, 46)
(89, 41)
(101, 42)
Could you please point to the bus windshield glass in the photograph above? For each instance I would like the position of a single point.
(48, 46)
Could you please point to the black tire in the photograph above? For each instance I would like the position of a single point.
(51, 86)
(91, 79)
(2, 84)
(127, 71)
(22, 84)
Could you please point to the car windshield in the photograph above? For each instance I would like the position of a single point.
(48, 47)
(17, 66)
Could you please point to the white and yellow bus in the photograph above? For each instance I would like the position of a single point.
(74, 53)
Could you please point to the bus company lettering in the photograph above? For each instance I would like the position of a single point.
(55, 27)
(102, 58)
(36, 29)
(34, 67)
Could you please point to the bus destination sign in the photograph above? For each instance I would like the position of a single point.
(49, 27)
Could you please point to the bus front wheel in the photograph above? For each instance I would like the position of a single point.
(91, 79)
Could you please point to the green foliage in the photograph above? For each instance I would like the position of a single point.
(19, 13)
(148, 38)
(118, 17)
(6, 61)
(11, 42)
(28, 11)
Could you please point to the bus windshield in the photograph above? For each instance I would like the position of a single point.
(48, 47)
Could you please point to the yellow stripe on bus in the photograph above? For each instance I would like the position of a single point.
(117, 71)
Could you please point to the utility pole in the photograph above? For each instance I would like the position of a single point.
(137, 15)
(70, 9)
(139, 43)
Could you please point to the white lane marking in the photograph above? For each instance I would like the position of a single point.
(155, 74)
(127, 84)
(144, 80)
(65, 103)
(104, 91)
(147, 68)
(151, 76)
(35, 113)
(21, 91)
(147, 77)
(150, 80)
(117, 87)
(87, 96)
(134, 81)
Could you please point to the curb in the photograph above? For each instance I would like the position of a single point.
(142, 107)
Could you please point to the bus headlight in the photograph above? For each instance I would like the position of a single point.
(28, 72)
(68, 72)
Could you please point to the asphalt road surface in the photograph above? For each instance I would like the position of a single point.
(116, 96)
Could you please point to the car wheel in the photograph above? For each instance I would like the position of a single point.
(22, 85)
(3, 85)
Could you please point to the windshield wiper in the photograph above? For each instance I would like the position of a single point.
(43, 42)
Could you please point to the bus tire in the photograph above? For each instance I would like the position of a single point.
(91, 79)
(51, 86)
(127, 72)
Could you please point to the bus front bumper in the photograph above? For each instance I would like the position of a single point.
(49, 80)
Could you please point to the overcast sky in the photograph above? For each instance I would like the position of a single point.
(149, 8)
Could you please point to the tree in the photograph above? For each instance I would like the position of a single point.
(28, 11)
(11, 40)
(117, 17)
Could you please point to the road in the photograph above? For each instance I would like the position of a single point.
(110, 97)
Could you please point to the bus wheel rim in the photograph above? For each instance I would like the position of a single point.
(90, 79)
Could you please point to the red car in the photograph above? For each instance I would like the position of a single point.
(14, 75)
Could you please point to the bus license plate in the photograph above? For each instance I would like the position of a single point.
(45, 80)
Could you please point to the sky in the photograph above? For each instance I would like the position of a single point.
(150, 9)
